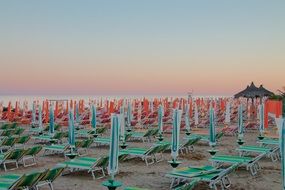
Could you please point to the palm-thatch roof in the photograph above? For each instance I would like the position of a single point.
(252, 91)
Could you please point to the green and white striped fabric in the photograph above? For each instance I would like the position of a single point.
(282, 149)
(212, 128)
(175, 133)
(40, 119)
(122, 123)
(114, 146)
(261, 118)
(240, 122)
(71, 134)
(51, 120)
(77, 113)
(187, 118)
(196, 114)
(160, 119)
(129, 114)
(93, 117)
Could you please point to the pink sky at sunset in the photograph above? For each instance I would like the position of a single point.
(97, 49)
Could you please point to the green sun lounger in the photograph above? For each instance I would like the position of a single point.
(134, 188)
(22, 140)
(57, 137)
(192, 175)
(50, 176)
(272, 153)
(251, 163)
(8, 126)
(7, 142)
(206, 136)
(145, 136)
(151, 153)
(83, 146)
(30, 154)
(56, 149)
(89, 164)
(11, 156)
(102, 140)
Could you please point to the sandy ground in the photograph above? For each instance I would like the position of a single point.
(135, 173)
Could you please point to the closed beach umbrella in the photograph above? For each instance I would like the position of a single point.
(187, 118)
(228, 113)
(261, 118)
(240, 122)
(40, 119)
(34, 113)
(71, 135)
(122, 123)
(51, 120)
(212, 128)
(129, 114)
(175, 133)
(282, 149)
(160, 119)
(114, 146)
(93, 117)
(77, 113)
(196, 114)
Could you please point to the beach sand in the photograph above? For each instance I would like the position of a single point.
(134, 172)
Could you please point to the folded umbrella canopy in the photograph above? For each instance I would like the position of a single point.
(122, 123)
(71, 134)
(196, 114)
(240, 122)
(212, 128)
(281, 125)
(77, 114)
(34, 113)
(129, 114)
(160, 119)
(261, 118)
(40, 119)
(114, 146)
(175, 133)
(51, 120)
(93, 117)
(228, 112)
(187, 118)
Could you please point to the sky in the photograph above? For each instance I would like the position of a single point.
(147, 47)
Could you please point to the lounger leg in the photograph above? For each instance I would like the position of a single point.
(50, 185)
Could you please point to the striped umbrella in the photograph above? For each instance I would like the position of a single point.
(240, 122)
(228, 113)
(187, 118)
(71, 134)
(261, 118)
(122, 123)
(114, 146)
(93, 117)
(51, 120)
(129, 114)
(196, 114)
(160, 119)
(281, 123)
(175, 133)
(212, 128)
(34, 113)
(40, 119)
